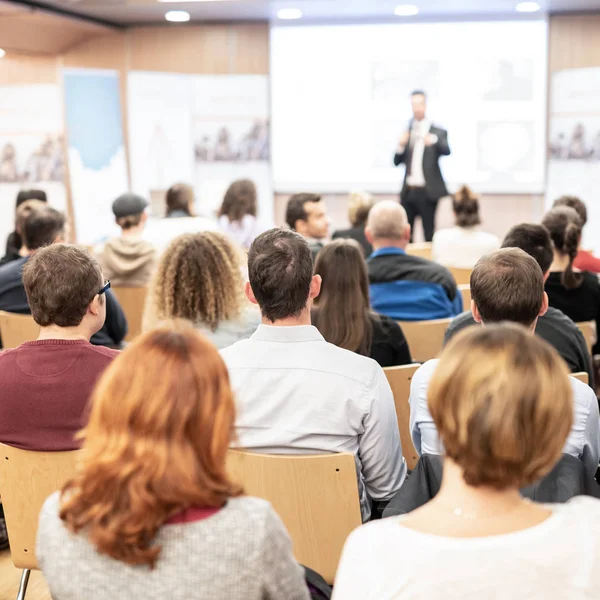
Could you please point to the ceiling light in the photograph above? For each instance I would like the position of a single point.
(177, 16)
(2, 53)
(527, 7)
(406, 10)
(289, 13)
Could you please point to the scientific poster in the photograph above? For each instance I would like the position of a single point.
(97, 161)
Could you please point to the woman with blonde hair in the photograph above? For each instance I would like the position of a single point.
(152, 513)
(502, 403)
(199, 279)
(359, 206)
(464, 244)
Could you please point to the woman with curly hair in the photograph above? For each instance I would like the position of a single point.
(199, 279)
(153, 513)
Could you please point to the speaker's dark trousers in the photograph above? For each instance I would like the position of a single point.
(417, 202)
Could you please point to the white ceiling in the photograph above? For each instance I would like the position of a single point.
(127, 12)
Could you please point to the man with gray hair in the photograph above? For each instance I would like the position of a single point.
(404, 287)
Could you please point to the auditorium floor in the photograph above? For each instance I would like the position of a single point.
(10, 577)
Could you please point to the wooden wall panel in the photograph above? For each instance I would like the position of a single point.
(19, 70)
(574, 42)
(251, 48)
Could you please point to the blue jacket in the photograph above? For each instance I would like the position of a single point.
(411, 288)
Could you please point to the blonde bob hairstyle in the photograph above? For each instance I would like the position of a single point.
(503, 405)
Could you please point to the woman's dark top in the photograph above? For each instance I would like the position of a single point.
(13, 245)
(580, 304)
(358, 234)
(388, 346)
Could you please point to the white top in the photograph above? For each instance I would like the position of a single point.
(298, 394)
(243, 232)
(557, 559)
(417, 139)
(583, 441)
(462, 247)
(161, 232)
(230, 332)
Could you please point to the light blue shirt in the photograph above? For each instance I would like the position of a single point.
(297, 394)
(583, 441)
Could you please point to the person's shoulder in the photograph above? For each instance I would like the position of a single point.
(375, 532)
(582, 392)
(102, 352)
(384, 324)
(583, 509)
(590, 280)
(426, 370)
(341, 233)
(239, 349)
(558, 319)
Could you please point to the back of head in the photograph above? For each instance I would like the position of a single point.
(343, 317)
(565, 227)
(60, 282)
(239, 200)
(295, 210)
(25, 209)
(387, 221)
(280, 271)
(466, 207)
(502, 403)
(42, 227)
(180, 197)
(576, 204)
(171, 387)
(508, 285)
(198, 279)
(359, 206)
(533, 239)
(25, 195)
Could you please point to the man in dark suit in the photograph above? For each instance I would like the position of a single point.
(420, 148)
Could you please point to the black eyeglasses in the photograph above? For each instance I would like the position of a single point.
(105, 288)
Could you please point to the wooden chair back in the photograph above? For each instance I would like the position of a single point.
(132, 301)
(465, 292)
(588, 328)
(315, 496)
(27, 478)
(422, 249)
(583, 377)
(399, 379)
(461, 276)
(16, 329)
(425, 338)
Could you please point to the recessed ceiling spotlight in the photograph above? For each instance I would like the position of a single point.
(406, 10)
(177, 16)
(289, 13)
(2, 53)
(527, 7)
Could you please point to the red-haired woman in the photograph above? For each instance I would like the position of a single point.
(153, 514)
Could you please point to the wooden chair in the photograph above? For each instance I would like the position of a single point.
(465, 291)
(461, 276)
(16, 329)
(26, 479)
(132, 301)
(425, 338)
(588, 328)
(399, 379)
(315, 496)
(422, 249)
(583, 377)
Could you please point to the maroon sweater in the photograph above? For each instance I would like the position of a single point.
(44, 391)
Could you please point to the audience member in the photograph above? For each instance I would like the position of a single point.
(45, 385)
(359, 206)
(585, 260)
(501, 401)
(23, 211)
(508, 285)
(45, 226)
(14, 242)
(404, 287)
(342, 312)
(307, 214)
(554, 326)
(199, 279)
(298, 394)
(574, 293)
(179, 218)
(128, 260)
(237, 215)
(153, 513)
(463, 245)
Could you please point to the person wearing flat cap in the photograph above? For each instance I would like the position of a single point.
(128, 260)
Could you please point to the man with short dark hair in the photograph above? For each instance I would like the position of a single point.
(45, 385)
(554, 326)
(307, 215)
(298, 394)
(42, 227)
(508, 285)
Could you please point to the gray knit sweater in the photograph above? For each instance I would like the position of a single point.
(242, 552)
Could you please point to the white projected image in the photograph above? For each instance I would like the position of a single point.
(341, 100)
